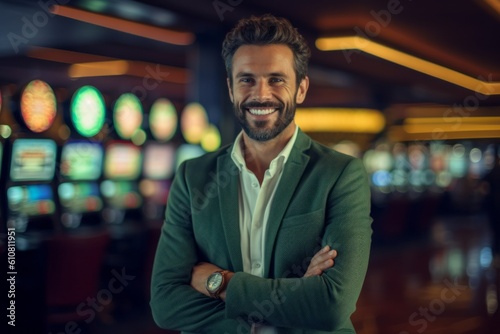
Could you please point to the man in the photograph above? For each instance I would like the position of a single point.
(252, 230)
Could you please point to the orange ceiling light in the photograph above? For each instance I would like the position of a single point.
(99, 68)
(135, 28)
(90, 65)
(494, 4)
(439, 128)
(340, 120)
(63, 56)
(399, 133)
(409, 61)
(155, 72)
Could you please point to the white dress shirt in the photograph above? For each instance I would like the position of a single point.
(255, 202)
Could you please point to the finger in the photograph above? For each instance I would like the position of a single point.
(313, 272)
(322, 251)
(333, 253)
(323, 256)
(326, 264)
(319, 268)
(322, 262)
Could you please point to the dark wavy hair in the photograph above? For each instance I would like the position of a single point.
(265, 30)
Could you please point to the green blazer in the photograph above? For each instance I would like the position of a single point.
(323, 198)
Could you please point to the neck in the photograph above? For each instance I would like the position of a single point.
(258, 155)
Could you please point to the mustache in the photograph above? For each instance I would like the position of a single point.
(268, 104)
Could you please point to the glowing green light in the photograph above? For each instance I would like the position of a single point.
(88, 111)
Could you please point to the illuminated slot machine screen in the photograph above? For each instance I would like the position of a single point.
(32, 161)
(81, 165)
(122, 167)
(159, 161)
(158, 169)
(187, 151)
(81, 160)
(30, 200)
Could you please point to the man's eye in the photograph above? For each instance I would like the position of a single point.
(246, 80)
(275, 80)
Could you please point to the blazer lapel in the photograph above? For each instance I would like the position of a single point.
(228, 189)
(292, 173)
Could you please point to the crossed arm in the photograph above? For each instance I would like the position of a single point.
(322, 260)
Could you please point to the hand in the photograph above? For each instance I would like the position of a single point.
(200, 274)
(321, 261)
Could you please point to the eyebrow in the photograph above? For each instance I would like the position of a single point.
(272, 74)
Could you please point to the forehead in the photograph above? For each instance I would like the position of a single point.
(263, 58)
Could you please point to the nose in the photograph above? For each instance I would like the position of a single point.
(262, 91)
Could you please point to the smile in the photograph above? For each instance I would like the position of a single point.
(267, 111)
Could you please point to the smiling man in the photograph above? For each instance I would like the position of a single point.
(282, 245)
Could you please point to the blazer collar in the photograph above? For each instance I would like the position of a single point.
(229, 207)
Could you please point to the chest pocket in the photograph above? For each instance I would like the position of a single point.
(298, 239)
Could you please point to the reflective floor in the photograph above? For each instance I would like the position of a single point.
(443, 282)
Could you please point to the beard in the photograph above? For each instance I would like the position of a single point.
(260, 131)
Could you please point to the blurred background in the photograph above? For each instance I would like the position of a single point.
(101, 101)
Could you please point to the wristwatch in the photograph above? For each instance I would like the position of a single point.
(216, 283)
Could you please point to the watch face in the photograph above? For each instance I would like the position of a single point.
(214, 282)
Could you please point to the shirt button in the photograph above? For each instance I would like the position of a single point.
(255, 184)
(257, 265)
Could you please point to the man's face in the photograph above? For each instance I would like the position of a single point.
(264, 91)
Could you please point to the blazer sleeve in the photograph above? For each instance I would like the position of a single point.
(323, 302)
(174, 303)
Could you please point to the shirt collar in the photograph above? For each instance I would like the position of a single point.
(239, 160)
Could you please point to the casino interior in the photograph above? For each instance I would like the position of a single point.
(100, 101)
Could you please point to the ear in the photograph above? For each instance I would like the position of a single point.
(302, 90)
(230, 89)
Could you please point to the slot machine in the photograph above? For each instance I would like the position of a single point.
(30, 195)
(159, 160)
(30, 158)
(122, 211)
(2, 198)
(31, 204)
(81, 162)
(158, 170)
(122, 166)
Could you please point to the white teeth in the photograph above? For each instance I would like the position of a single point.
(261, 111)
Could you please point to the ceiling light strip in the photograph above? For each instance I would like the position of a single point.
(130, 27)
(101, 68)
(409, 61)
(340, 120)
(494, 4)
(438, 128)
(64, 56)
(487, 120)
(398, 133)
(156, 73)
